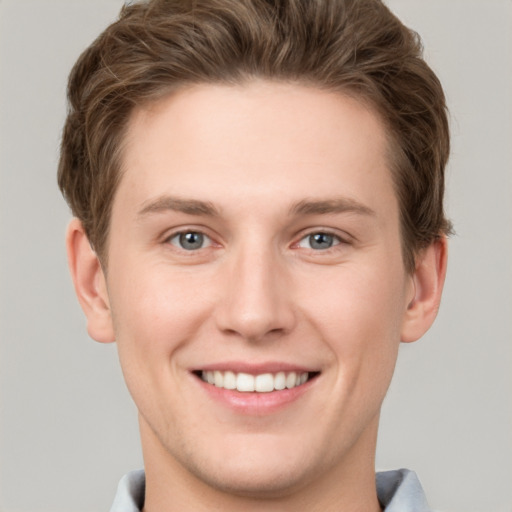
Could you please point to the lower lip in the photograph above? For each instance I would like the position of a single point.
(256, 404)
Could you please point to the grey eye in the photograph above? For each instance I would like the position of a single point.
(190, 240)
(319, 241)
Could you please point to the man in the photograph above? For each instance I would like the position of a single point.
(257, 189)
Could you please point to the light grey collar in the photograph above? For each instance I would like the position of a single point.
(398, 491)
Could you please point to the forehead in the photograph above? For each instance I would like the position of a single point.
(255, 139)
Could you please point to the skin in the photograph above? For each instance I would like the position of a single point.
(257, 169)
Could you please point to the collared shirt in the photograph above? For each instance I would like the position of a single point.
(398, 491)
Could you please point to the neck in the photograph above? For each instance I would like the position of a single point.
(349, 485)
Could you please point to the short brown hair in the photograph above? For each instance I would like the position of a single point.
(354, 46)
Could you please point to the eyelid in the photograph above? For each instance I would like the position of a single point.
(341, 237)
(207, 241)
(337, 240)
(173, 233)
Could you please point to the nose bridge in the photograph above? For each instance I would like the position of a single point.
(257, 301)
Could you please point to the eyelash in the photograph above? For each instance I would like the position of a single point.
(334, 238)
(183, 233)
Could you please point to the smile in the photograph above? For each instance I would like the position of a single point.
(262, 383)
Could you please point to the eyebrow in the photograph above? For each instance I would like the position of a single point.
(336, 205)
(206, 208)
(187, 206)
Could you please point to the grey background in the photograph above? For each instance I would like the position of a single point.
(68, 428)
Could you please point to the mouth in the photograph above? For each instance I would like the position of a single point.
(259, 383)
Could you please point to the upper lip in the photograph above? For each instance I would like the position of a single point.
(255, 368)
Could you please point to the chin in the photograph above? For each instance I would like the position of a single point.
(252, 479)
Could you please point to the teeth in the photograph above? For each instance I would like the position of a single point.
(229, 380)
(247, 383)
(264, 383)
(244, 382)
(218, 379)
(280, 381)
(291, 380)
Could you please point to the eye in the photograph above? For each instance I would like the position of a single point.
(190, 240)
(319, 241)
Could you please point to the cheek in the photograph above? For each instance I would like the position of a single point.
(359, 314)
(149, 297)
(155, 316)
(155, 313)
(362, 298)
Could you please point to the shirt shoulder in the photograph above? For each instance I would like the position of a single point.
(130, 492)
(400, 491)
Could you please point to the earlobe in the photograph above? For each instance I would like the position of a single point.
(89, 282)
(428, 280)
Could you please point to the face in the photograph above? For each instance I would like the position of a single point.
(256, 282)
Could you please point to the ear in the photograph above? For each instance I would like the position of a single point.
(90, 284)
(428, 280)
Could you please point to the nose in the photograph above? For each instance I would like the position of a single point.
(256, 303)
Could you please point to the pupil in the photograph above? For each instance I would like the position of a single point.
(191, 240)
(321, 241)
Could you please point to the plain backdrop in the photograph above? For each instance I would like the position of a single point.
(68, 428)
